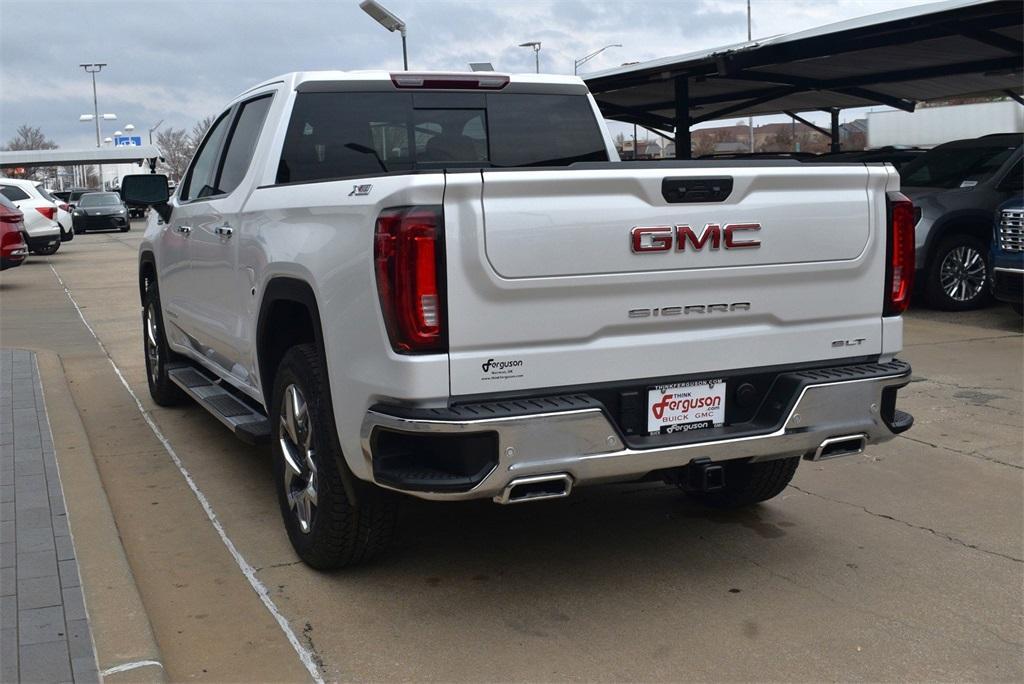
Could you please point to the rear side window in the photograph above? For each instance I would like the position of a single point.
(46, 194)
(345, 135)
(200, 180)
(544, 130)
(243, 142)
(952, 166)
(13, 193)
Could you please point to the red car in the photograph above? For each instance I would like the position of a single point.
(13, 248)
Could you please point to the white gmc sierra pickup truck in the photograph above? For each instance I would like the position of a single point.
(447, 286)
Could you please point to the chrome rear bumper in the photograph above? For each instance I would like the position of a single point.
(587, 447)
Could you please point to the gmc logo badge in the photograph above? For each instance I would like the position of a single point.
(647, 239)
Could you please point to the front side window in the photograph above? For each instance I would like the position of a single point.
(200, 180)
(13, 193)
(346, 135)
(243, 143)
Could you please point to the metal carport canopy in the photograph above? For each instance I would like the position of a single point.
(123, 154)
(899, 58)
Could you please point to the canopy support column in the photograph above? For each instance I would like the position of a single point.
(682, 122)
(834, 147)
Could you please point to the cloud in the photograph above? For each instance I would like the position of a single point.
(182, 60)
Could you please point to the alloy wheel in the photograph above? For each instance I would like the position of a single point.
(963, 273)
(295, 435)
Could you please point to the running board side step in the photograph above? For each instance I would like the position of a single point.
(248, 423)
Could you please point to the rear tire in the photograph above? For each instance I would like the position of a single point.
(749, 483)
(126, 228)
(157, 353)
(327, 528)
(957, 279)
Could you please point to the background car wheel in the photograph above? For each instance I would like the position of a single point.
(957, 279)
(125, 229)
(158, 355)
(749, 483)
(47, 250)
(327, 528)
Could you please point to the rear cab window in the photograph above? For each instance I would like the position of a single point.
(333, 135)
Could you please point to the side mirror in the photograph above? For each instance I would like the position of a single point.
(147, 190)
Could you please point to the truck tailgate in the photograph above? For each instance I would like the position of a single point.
(549, 286)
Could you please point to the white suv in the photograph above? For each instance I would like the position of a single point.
(44, 234)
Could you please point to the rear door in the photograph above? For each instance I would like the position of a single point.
(567, 277)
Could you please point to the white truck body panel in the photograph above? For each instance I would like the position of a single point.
(538, 270)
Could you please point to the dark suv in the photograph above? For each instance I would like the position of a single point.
(1008, 254)
(956, 187)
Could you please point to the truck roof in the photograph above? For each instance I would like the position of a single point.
(548, 83)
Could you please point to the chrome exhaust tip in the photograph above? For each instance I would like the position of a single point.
(834, 447)
(536, 488)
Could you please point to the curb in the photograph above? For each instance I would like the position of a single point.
(126, 648)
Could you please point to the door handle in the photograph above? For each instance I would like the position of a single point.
(183, 229)
(224, 231)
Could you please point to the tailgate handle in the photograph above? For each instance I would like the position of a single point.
(683, 190)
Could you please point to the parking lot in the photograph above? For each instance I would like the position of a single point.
(903, 563)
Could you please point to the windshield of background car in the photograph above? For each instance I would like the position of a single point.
(345, 135)
(99, 199)
(950, 166)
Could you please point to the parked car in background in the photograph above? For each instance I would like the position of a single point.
(75, 194)
(897, 156)
(67, 231)
(13, 248)
(100, 211)
(40, 214)
(956, 187)
(1008, 254)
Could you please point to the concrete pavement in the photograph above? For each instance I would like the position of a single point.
(904, 563)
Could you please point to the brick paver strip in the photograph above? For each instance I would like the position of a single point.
(45, 635)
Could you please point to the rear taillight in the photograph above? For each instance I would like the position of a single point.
(899, 269)
(48, 212)
(409, 260)
(11, 217)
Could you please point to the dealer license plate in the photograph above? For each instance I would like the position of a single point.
(685, 406)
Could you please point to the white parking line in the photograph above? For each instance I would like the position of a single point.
(125, 667)
(250, 574)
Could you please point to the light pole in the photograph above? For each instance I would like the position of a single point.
(535, 44)
(389, 21)
(155, 126)
(583, 60)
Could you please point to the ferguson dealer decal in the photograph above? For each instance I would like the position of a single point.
(502, 369)
(686, 406)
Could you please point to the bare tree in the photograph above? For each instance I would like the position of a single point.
(176, 146)
(199, 131)
(31, 138)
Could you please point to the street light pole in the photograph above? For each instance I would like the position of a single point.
(155, 126)
(583, 60)
(535, 44)
(93, 69)
(385, 18)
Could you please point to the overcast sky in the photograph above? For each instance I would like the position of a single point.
(181, 60)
